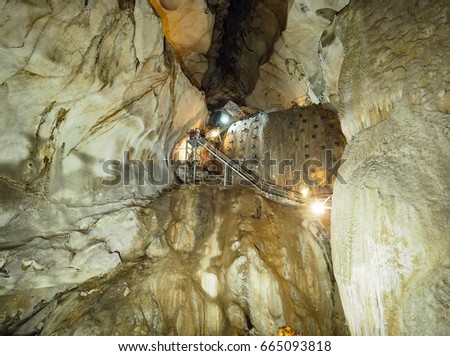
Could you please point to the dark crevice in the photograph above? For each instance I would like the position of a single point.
(248, 322)
(126, 5)
(243, 38)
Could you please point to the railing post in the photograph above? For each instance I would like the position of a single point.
(186, 161)
(195, 162)
(225, 176)
(231, 166)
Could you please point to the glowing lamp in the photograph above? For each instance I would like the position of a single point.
(304, 192)
(214, 133)
(224, 119)
(318, 208)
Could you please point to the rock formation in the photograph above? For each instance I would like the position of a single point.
(244, 36)
(264, 53)
(305, 64)
(81, 84)
(297, 148)
(95, 237)
(208, 269)
(390, 221)
(188, 26)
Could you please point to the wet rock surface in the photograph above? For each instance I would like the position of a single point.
(210, 268)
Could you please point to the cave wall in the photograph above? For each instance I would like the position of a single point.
(188, 26)
(305, 63)
(209, 267)
(390, 221)
(384, 67)
(303, 145)
(243, 39)
(81, 83)
(84, 82)
(262, 53)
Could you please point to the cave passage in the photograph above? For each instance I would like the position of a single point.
(241, 43)
(224, 167)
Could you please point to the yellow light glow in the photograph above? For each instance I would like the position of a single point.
(304, 192)
(214, 133)
(318, 208)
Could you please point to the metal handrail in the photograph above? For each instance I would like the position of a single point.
(254, 180)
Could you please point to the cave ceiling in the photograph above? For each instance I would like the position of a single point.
(229, 48)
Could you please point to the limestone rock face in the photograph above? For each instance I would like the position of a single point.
(188, 26)
(306, 60)
(390, 221)
(264, 53)
(229, 274)
(81, 83)
(384, 66)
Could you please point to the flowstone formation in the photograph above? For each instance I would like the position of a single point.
(390, 221)
(208, 267)
(90, 85)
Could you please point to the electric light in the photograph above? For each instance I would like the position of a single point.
(304, 191)
(318, 208)
(214, 133)
(224, 119)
